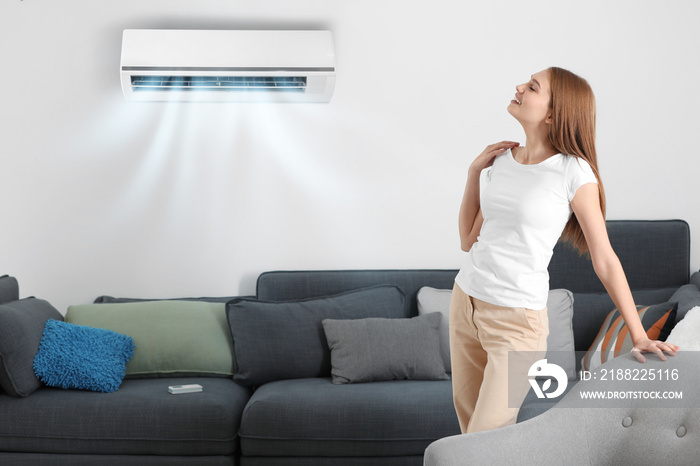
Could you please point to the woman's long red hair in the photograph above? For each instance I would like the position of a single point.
(572, 132)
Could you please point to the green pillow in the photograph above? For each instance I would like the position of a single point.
(172, 338)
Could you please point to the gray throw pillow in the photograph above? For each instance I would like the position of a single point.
(560, 341)
(285, 340)
(560, 311)
(369, 350)
(21, 327)
(433, 300)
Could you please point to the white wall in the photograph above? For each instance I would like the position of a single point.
(103, 196)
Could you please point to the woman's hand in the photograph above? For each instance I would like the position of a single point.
(470, 217)
(486, 158)
(654, 346)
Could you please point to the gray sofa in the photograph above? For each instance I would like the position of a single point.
(281, 407)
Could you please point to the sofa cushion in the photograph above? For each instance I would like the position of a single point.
(614, 339)
(82, 357)
(172, 338)
(21, 327)
(285, 340)
(314, 417)
(369, 350)
(9, 289)
(141, 418)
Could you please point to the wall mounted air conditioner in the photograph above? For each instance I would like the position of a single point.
(241, 66)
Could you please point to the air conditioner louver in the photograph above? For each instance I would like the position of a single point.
(198, 65)
(218, 83)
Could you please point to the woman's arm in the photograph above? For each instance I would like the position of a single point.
(470, 217)
(586, 206)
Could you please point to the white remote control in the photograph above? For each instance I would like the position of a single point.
(178, 389)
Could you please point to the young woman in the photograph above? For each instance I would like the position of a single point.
(518, 202)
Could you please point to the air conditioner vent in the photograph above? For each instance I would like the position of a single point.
(218, 83)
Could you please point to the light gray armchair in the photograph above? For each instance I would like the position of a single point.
(631, 431)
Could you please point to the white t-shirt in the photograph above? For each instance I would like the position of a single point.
(525, 210)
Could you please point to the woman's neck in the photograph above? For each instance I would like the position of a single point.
(536, 150)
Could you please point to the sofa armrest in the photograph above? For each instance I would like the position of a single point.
(551, 438)
(585, 432)
(9, 289)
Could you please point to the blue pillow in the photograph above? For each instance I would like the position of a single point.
(82, 357)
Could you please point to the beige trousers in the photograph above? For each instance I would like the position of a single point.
(481, 337)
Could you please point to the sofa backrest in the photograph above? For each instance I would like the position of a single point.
(654, 254)
(294, 285)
